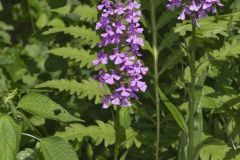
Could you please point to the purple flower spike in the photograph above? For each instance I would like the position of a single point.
(101, 59)
(194, 8)
(120, 29)
(173, 4)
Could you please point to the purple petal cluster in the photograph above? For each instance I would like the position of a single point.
(194, 8)
(120, 43)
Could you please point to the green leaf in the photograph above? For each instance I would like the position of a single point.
(87, 88)
(42, 20)
(165, 18)
(62, 10)
(131, 138)
(207, 141)
(171, 61)
(102, 132)
(27, 154)
(56, 148)
(10, 133)
(214, 152)
(228, 50)
(123, 157)
(75, 54)
(147, 46)
(124, 118)
(87, 35)
(168, 40)
(174, 112)
(86, 12)
(212, 28)
(37, 120)
(99, 133)
(40, 105)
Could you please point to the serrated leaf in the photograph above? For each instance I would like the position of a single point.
(102, 132)
(75, 54)
(87, 88)
(228, 50)
(207, 141)
(131, 138)
(40, 105)
(56, 148)
(99, 133)
(10, 133)
(86, 12)
(85, 34)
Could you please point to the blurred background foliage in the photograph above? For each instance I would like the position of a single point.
(49, 99)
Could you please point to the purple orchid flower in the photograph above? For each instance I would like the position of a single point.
(120, 29)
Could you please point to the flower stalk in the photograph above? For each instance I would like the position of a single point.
(116, 126)
(192, 96)
(156, 77)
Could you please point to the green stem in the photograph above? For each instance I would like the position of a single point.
(31, 136)
(156, 77)
(116, 125)
(192, 99)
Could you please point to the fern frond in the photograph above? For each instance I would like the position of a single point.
(87, 35)
(75, 54)
(87, 88)
(228, 50)
(99, 133)
(102, 132)
(86, 13)
(213, 61)
(211, 27)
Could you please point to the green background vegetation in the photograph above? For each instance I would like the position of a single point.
(50, 106)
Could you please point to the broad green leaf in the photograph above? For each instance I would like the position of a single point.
(40, 105)
(174, 112)
(56, 148)
(10, 133)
